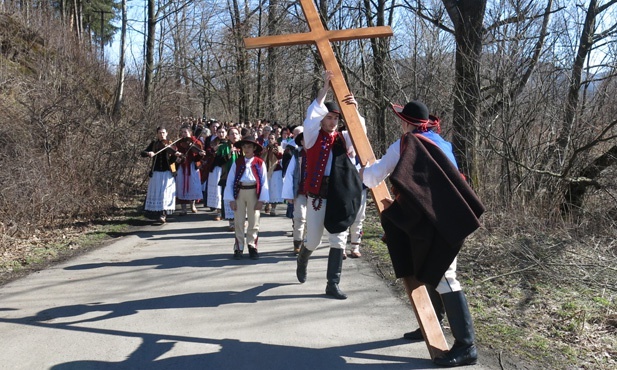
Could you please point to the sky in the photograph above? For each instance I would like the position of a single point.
(135, 40)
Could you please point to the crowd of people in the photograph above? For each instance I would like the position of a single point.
(241, 170)
(194, 170)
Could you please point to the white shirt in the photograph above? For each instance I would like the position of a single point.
(312, 124)
(247, 178)
(288, 180)
(382, 168)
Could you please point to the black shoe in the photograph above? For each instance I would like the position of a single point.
(253, 253)
(458, 356)
(415, 335)
(238, 255)
(334, 291)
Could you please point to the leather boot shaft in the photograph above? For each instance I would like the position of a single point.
(335, 266)
(464, 351)
(302, 260)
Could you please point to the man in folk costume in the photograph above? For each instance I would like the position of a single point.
(230, 154)
(434, 210)
(293, 188)
(272, 155)
(331, 207)
(213, 189)
(247, 191)
(287, 141)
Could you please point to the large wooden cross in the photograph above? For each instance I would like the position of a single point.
(322, 38)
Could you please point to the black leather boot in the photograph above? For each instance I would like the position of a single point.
(335, 265)
(303, 258)
(435, 297)
(464, 351)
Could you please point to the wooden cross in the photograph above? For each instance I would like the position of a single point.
(322, 38)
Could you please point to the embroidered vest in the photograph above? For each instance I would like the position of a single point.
(255, 168)
(316, 161)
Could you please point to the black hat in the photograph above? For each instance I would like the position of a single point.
(298, 139)
(332, 107)
(414, 112)
(249, 139)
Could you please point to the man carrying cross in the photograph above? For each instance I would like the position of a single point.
(432, 213)
(329, 206)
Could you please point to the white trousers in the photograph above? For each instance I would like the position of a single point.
(299, 217)
(315, 227)
(355, 230)
(448, 282)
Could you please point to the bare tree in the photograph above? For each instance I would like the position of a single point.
(121, 65)
(581, 179)
(468, 18)
(240, 30)
(149, 56)
(377, 13)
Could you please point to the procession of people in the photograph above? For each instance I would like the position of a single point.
(239, 170)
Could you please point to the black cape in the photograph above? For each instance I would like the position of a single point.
(433, 212)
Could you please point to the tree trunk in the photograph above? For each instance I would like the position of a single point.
(239, 27)
(381, 56)
(120, 87)
(150, 38)
(572, 100)
(271, 62)
(467, 17)
(575, 192)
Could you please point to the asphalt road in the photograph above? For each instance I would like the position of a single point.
(172, 297)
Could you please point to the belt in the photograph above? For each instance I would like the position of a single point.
(245, 187)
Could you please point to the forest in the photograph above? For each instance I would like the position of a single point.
(525, 91)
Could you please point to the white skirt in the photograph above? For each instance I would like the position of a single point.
(229, 213)
(188, 185)
(276, 187)
(215, 197)
(161, 194)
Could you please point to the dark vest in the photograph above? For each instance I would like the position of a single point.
(344, 190)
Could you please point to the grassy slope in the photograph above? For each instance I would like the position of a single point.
(538, 300)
